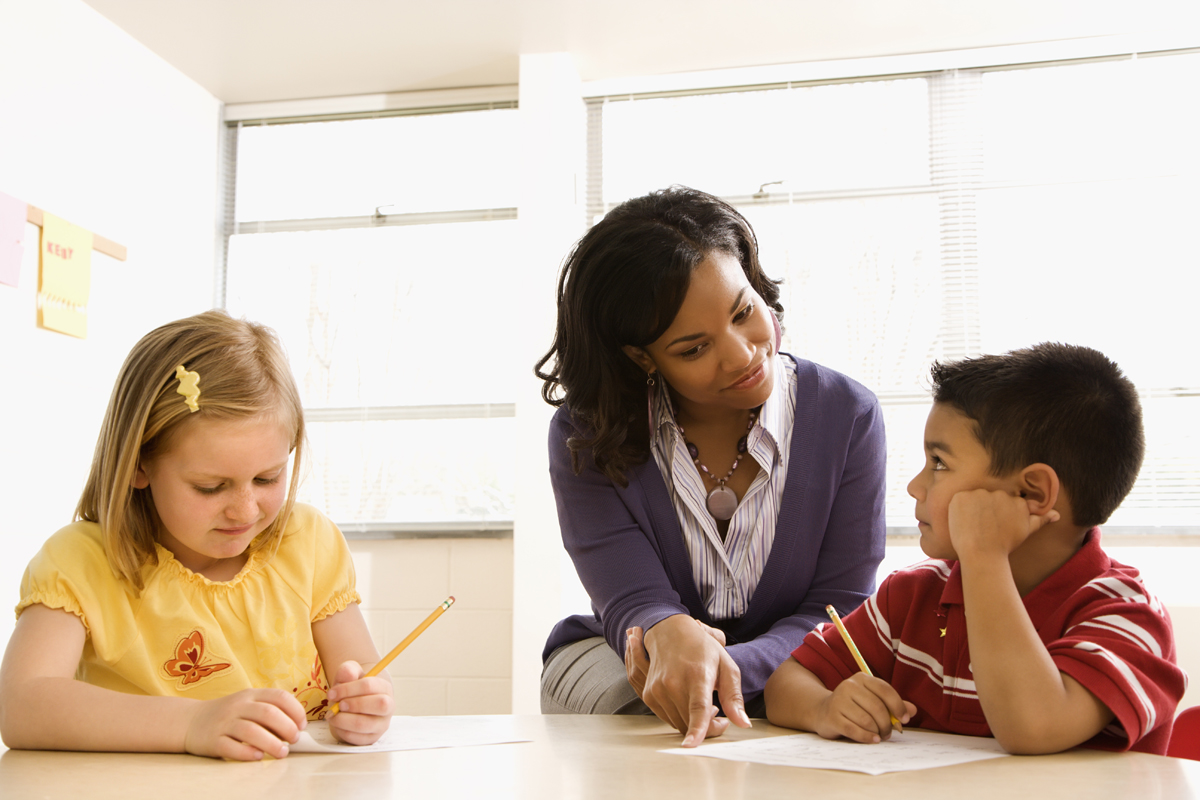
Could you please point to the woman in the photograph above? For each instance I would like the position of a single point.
(713, 493)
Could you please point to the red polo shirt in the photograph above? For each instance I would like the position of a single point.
(1098, 622)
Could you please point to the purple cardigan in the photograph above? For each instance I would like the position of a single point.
(629, 551)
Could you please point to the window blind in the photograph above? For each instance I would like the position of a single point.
(1046, 202)
(381, 248)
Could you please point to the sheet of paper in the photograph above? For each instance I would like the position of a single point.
(66, 276)
(12, 238)
(414, 733)
(902, 752)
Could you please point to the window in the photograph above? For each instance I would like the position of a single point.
(942, 215)
(382, 251)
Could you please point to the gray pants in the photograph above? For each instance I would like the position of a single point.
(587, 677)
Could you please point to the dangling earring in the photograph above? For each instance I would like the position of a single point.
(650, 402)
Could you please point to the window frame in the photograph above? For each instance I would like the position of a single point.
(407, 104)
(596, 207)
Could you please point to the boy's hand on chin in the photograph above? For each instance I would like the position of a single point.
(992, 523)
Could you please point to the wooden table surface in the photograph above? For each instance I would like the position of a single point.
(581, 757)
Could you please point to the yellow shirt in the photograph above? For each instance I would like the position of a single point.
(187, 636)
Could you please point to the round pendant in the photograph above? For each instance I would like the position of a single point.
(722, 502)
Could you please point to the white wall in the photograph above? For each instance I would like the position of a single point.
(462, 664)
(96, 129)
(551, 213)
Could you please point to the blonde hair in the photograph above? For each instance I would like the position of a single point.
(243, 373)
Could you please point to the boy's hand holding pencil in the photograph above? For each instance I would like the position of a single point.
(863, 707)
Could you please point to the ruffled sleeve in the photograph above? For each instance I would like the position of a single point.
(70, 573)
(329, 564)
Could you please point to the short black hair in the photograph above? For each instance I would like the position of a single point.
(1058, 404)
(622, 285)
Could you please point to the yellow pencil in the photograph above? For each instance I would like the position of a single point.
(417, 631)
(862, 664)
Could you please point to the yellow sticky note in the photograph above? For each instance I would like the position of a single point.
(65, 279)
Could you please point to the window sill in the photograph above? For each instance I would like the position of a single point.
(462, 529)
(1112, 536)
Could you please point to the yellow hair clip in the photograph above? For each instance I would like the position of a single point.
(189, 387)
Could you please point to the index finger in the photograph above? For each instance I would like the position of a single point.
(287, 703)
(700, 714)
(277, 712)
(348, 671)
(729, 690)
(716, 633)
(893, 706)
(637, 665)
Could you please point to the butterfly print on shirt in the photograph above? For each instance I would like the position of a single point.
(188, 662)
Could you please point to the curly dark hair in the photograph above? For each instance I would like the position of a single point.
(623, 284)
(1058, 404)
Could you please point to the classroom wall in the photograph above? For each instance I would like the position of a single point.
(96, 129)
(462, 664)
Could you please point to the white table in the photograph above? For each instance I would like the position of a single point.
(581, 757)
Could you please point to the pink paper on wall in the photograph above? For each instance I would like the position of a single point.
(12, 236)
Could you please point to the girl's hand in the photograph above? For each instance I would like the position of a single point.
(364, 705)
(246, 725)
(860, 708)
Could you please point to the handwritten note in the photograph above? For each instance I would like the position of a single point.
(414, 733)
(66, 276)
(902, 752)
(12, 238)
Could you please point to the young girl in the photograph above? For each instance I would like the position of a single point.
(193, 606)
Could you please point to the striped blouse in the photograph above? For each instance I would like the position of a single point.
(727, 572)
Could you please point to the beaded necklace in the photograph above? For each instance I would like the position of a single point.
(722, 501)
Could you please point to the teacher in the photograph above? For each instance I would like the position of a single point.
(714, 494)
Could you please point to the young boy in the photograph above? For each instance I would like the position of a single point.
(1025, 454)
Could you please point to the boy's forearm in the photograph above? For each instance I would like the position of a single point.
(65, 714)
(793, 697)
(1029, 704)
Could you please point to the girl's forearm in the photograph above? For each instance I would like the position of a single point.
(54, 713)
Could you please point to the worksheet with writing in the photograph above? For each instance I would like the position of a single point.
(413, 733)
(903, 751)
